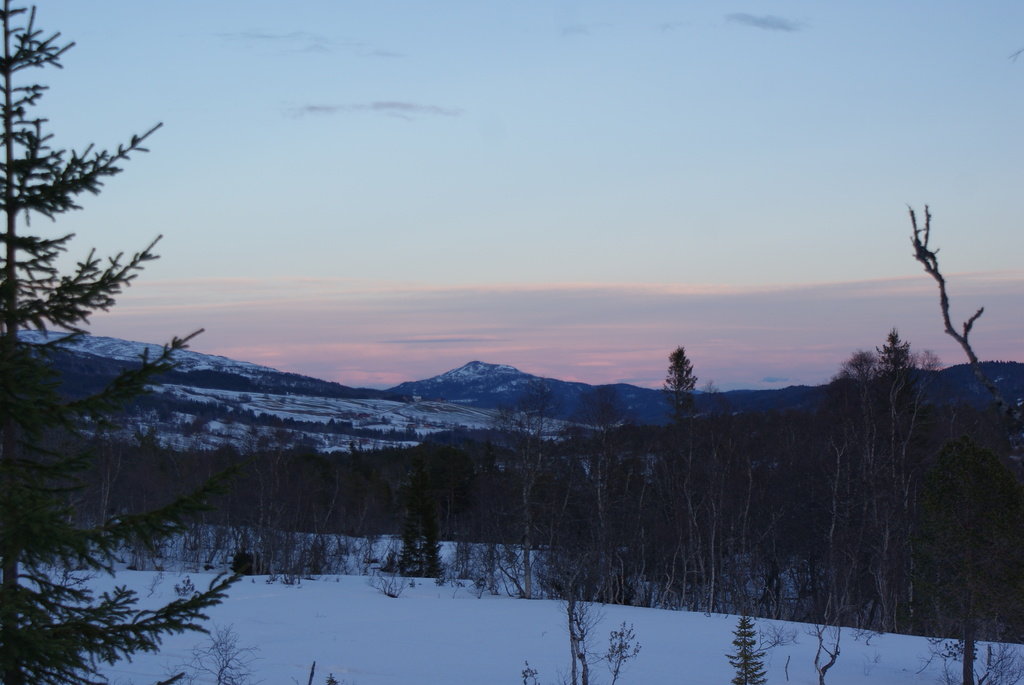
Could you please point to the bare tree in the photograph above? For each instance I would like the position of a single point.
(222, 659)
(526, 430)
(622, 648)
(999, 663)
(828, 643)
(582, 619)
(930, 261)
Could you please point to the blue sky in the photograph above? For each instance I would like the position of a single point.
(379, 191)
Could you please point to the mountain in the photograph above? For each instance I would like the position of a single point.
(87, 360)
(473, 383)
(493, 386)
(959, 384)
(117, 350)
(210, 401)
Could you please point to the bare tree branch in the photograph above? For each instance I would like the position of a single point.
(930, 261)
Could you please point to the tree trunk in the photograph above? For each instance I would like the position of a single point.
(570, 610)
(968, 661)
(527, 552)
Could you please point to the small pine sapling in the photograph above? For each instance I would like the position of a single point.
(747, 659)
(185, 588)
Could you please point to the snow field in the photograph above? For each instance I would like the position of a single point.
(434, 635)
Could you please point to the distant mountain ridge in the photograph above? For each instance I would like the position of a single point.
(477, 387)
(497, 385)
(492, 386)
(86, 360)
(116, 349)
(211, 402)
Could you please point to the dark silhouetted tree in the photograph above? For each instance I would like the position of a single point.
(970, 549)
(420, 546)
(51, 630)
(929, 259)
(896, 368)
(679, 385)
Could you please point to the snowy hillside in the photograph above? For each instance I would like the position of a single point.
(315, 422)
(433, 635)
(129, 351)
(210, 401)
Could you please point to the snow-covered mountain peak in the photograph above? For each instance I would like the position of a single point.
(476, 370)
(476, 383)
(126, 350)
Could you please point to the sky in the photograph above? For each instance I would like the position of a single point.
(380, 191)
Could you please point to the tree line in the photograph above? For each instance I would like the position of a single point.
(806, 515)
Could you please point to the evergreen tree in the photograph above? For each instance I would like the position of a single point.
(895, 359)
(896, 373)
(420, 547)
(679, 385)
(969, 561)
(53, 630)
(747, 659)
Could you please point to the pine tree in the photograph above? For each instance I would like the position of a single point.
(896, 375)
(969, 549)
(747, 659)
(679, 385)
(420, 546)
(52, 630)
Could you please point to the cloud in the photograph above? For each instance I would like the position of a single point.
(438, 341)
(304, 42)
(317, 109)
(408, 109)
(295, 41)
(383, 333)
(764, 21)
(579, 29)
(400, 110)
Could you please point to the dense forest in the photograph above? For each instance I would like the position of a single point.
(819, 515)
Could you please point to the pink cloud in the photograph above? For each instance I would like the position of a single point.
(380, 334)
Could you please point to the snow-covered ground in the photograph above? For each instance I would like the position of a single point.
(378, 413)
(419, 419)
(433, 635)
